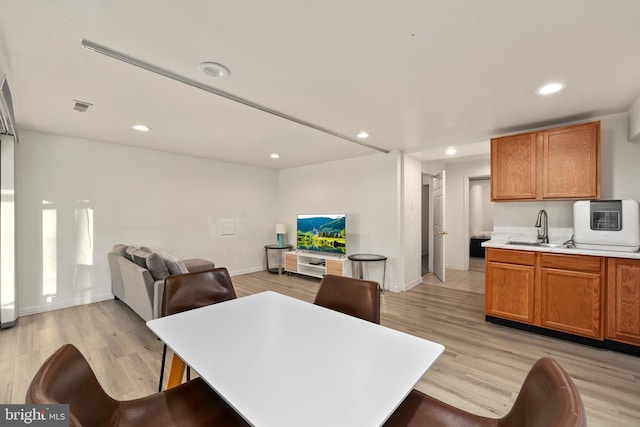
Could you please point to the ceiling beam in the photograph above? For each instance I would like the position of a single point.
(145, 66)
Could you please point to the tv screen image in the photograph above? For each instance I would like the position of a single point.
(322, 233)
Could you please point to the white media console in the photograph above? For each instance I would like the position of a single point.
(316, 264)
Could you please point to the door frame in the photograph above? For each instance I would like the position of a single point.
(466, 203)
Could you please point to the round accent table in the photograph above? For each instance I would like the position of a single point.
(357, 265)
(279, 250)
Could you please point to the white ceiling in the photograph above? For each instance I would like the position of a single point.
(419, 75)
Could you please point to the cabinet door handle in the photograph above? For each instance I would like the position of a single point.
(442, 233)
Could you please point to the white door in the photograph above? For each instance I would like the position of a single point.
(439, 232)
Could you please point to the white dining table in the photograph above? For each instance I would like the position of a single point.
(282, 362)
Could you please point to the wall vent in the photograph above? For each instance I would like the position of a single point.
(81, 106)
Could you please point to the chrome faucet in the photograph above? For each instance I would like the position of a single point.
(543, 221)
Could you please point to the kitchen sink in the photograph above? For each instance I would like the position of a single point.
(540, 245)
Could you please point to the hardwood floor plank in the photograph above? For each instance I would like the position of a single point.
(481, 370)
(27, 338)
(6, 381)
(8, 344)
(24, 367)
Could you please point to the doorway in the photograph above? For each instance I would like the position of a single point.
(480, 224)
(427, 264)
(433, 222)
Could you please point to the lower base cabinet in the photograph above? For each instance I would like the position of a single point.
(510, 285)
(559, 292)
(590, 299)
(572, 294)
(623, 301)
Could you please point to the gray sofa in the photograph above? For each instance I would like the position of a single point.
(137, 276)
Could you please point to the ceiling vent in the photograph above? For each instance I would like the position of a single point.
(81, 106)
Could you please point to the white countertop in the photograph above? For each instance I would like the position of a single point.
(500, 240)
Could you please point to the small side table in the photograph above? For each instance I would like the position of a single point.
(357, 265)
(279, 250)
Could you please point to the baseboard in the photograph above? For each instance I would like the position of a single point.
(622, 347)
(247, 271)
(25, 311)
(407, 286)
(546, 332)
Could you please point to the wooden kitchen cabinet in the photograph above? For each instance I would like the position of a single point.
(514, 167)
(623, 301)
(560, 292)
(572, 294)
(571, 162)
(510, 285)
(559, 163)
(585, 298)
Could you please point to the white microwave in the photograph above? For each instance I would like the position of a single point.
(612, 225)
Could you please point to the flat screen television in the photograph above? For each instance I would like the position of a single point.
(322, 233)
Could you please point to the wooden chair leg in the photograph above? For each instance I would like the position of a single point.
(176, 372)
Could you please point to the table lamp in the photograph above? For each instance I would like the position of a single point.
(281, 230)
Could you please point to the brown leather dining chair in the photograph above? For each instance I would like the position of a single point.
(184, 292)
(548, 398)
(355, 297)
(66, 378)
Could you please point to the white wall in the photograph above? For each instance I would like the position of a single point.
(77, 198)
(366, 188)
(411, 222)
(620, 160)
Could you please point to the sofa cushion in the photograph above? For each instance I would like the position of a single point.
(128, 253)
(196, 264)
(157, 267)
(140, 257)
(174, 264)
(119, 249)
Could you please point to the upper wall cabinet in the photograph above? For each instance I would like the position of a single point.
(559, 163)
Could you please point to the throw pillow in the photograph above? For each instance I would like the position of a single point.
(129, 252)
(140, 258)
(174, 264)
(157, 267)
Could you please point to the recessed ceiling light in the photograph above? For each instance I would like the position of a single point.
(362, 135)
(214, 69)
(275, 156)
(550, 88)
(141, 128)
(451, 151)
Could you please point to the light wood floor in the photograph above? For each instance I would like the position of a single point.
(461, 280)
(480, 371)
